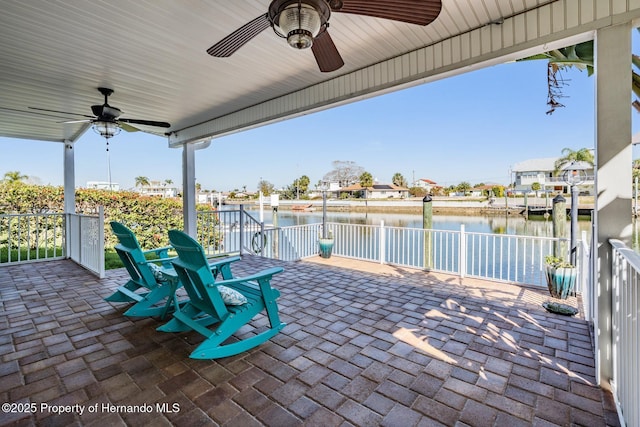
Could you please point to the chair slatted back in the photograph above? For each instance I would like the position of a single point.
(195, 274)
(131, 255)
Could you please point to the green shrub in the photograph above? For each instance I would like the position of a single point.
(150, 218)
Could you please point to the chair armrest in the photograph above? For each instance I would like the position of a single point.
(222, 261)
(222, 266)
(160, 260)
(267, 273)
(160, 252)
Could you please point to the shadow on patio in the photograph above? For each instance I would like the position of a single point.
(394, 347)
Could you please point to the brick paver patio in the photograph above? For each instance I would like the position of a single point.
(393, 347)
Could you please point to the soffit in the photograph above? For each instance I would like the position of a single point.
(153, 54)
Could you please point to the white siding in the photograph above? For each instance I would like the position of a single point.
(548, 26)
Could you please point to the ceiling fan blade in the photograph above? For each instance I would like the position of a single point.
(128, 128)
(77, 121)
(13, 110)
(419, 12)
(61, 112)
(145, 122)
(326, 53)
(234, 41)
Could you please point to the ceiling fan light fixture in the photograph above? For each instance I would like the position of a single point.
(106, 129)
(299, 22)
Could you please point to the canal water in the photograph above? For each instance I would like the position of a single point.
(493, 224)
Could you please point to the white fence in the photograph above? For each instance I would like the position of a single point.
(626, 331)
(32, 237)
(499, 257)
(235, 231)
(51, 236)
(86, 243)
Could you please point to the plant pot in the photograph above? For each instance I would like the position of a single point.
(561, 281)
(326, 246)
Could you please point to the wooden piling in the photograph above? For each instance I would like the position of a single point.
(559, 215)
(427, 225)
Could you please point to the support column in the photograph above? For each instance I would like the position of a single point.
(613, 175)
(69, 178)
(189, 189)
(69, 181)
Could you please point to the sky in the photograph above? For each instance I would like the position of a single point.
(472, 127)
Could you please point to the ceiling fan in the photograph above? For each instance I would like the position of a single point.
(106, 119)
(305, 23)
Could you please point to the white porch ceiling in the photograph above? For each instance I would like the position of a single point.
(55, 54)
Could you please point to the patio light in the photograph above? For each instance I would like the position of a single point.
(299, 23)
(106, 129)
(574, 174)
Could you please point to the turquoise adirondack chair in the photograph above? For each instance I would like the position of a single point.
(152, 291)
(227, 305)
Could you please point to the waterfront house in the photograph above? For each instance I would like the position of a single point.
(542, 171)
(425, 183)
(103, 185)
(158, 189)
(56, 55)
(376, 191)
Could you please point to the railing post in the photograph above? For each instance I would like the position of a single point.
(67, 235)
(241, 228)
(263, 239)
(382, 242)
(276, 231)
(463, 252)
(101, 241)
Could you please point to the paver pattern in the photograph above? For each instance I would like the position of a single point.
(391, 347)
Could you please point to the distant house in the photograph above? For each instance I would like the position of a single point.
(486, 189)
(103, 185)
(542, 171)
(158, 189)
(425, 183)
(377, 191)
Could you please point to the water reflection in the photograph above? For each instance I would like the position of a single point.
(495, 224)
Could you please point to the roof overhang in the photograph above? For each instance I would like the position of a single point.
(153, 54)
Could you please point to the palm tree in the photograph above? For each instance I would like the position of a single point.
(580, 56)
(569, 156)
(141, 181)
(168, 182)
(463, 187)
(366, 181)
(536, 186)
(13, 177)
(399, 180)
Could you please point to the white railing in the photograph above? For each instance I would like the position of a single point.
(236, 231)
(229, 232)
(32, 237)
(626, 331)
(585, 283)
(85, 242)
(291, 243)
(356, 241)
(52, 236)
(498, 257)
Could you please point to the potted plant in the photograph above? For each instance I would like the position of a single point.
(325, 241)
(561, 276)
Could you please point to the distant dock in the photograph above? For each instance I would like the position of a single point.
(542, 210)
